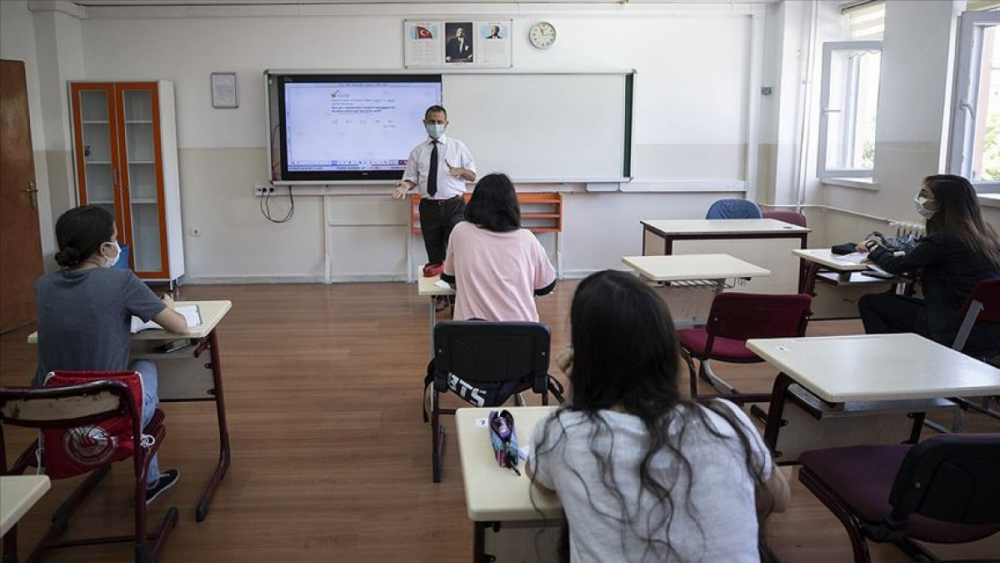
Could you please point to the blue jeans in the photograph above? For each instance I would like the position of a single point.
(150, 399)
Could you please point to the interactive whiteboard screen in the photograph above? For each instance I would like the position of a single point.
(351, 127)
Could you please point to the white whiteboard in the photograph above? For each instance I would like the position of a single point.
(542, 127)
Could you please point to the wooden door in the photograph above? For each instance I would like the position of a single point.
(20, 237)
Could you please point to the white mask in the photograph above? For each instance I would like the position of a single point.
(920, 200)
(434, 130)
(118, 253)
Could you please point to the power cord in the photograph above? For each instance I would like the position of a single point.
(265, 207)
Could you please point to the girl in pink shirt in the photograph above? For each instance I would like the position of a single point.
(497, 267)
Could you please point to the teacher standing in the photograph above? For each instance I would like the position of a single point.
(438, 167)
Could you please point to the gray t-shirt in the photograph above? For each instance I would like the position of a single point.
(84, 319)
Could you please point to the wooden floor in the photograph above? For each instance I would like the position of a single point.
(331, 460)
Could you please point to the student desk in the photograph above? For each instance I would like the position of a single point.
(658, 236)
(862, 389)
(498, 498)
(184, 375)
(428, 287)
(18, 493)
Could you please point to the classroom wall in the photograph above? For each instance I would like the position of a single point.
(691, 127)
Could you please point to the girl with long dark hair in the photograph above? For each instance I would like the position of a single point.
(497, 267)
(959, 250)
(643, 474)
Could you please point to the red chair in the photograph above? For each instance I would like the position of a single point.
(71, 407)
(979, 337)
(734, 319)
(942, 490)
(793, 217)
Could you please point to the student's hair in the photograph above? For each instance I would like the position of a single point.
(433, 109)
(494, 205)
(958, 213)
(625, 355)
(80, 232)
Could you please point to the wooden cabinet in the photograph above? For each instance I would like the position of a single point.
(125, 151)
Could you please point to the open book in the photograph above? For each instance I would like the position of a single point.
(191, 314)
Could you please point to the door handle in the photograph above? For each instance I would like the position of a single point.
(32, 191)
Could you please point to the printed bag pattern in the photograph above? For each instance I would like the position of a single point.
(70, 452)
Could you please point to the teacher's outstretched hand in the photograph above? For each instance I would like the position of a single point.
(399, 192)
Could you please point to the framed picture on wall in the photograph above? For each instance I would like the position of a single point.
(224, 91)
(454, 44)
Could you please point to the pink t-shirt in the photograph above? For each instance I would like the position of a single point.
(496, 273)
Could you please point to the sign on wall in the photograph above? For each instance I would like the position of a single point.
(457, 44)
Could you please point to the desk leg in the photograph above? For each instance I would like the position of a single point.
(224, 452)
(810, 283)
(775, 412)
(433, 322)
(803, 241)
(479, 542)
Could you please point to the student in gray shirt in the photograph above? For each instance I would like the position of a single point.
(85, 311)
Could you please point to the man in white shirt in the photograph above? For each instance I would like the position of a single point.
(438, 167)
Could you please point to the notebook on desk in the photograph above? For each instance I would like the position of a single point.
(191, 314)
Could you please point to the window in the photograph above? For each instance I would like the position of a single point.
(974, 151)
(848, 108)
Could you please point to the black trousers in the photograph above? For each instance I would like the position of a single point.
(437, 219)
(883, 313)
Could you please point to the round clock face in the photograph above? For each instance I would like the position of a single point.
(542, 35)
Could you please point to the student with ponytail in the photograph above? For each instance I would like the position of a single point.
(85, 311)
(643, 474)
(960, 250)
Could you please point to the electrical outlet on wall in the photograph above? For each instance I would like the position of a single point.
(261, 191)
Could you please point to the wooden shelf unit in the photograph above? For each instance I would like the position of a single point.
(540, 212)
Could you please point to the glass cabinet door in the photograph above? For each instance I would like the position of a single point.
(141, 176)
(96, 150)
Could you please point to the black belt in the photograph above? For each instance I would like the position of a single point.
(442, 201)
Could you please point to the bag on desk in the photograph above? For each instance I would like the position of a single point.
(844, 249)
(74, 451)
(895, 244)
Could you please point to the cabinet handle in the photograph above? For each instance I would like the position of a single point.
(32, 192)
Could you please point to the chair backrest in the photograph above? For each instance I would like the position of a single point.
(734, 209)
(63, 407)
(491, 351)
(950, 477)
(793, 217)
(742, 316)
(982, 306)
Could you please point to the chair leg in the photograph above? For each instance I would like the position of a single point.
(850, 522)
(435, 441)
(146, 553)
(60, 519)
(693, 373)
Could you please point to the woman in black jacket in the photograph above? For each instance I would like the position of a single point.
(960, 250)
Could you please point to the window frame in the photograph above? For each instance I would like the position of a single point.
(965, 97)
(822, 171)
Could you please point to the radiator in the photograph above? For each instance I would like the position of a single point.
(905, 228)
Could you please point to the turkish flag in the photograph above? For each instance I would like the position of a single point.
(424, 33)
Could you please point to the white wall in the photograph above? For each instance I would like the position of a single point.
(693, 64)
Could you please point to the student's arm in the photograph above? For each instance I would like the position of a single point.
(545, 274)
(171, 320)
(529, 467)
(929, 251)
(777, 487)
(448, 273)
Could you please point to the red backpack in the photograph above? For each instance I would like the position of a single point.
(70, 452)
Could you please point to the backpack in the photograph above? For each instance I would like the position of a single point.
(73, 451)
(484, 393)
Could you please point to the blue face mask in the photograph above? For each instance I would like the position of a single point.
(923, 211)
(434, 130)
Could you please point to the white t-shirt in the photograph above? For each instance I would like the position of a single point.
(496, 274)
(718, 522)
